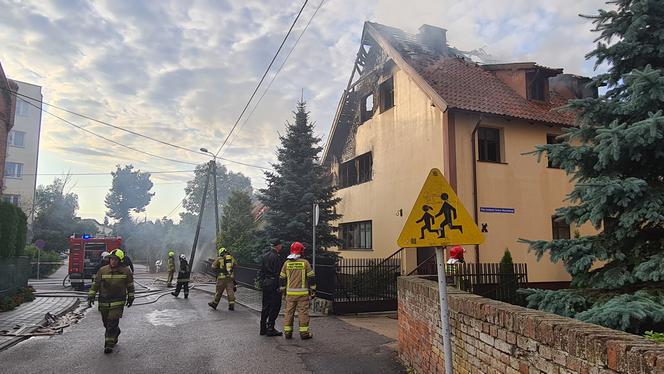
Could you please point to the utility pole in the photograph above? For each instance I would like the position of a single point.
(314, 223)
(200, 217)
(214, 180)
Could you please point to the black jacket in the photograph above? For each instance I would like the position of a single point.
(185, 271)
(270, 268)
(127, 262)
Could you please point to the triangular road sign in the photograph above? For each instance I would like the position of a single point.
(438, 218)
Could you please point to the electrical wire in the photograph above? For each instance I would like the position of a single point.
(108, 173)
(124, 129)
(262, 78)
(110, 140)
(283, 63)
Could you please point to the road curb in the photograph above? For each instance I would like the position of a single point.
(12, 342)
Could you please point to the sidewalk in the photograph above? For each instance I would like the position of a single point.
(29, 316)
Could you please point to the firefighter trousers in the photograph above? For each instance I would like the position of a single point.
(111, 320)
(301, 304)
(225, 284)
(169, 281)
(180, 286)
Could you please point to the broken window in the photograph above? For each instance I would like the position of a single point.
(386, 93)
(356, 171)
(536, 86)
(367, 109)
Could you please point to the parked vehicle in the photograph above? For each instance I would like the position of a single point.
(85, 256)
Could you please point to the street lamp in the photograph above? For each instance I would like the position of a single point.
(213, 167)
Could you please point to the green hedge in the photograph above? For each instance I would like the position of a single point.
(45, 256)
(13, 230)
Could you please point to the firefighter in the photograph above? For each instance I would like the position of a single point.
(297, 277)
(225, 267)
(115, 284)
(171, 268)
(183, 277)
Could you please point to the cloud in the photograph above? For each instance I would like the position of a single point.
(182, 72)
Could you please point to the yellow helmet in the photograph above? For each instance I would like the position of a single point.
(171, 254)
(118, 253)
(222, 250)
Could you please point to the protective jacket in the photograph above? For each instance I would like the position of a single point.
(171, 264)
(298, 277)
(225, 264)
(115, 287)
(185, 272)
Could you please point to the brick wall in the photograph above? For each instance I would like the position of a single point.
(493, 337)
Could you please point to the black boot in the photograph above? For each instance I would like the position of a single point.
(231, 307)
(108, 349)
(212, 305)
(174, 294)
(271, 331)
(186, 296)
(263, 330)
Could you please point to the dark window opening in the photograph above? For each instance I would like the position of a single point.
(356, 171)
(355, 235)
(488, 141)
(561, 229)
(367, 109)
(536, 86)
(552, 139)
(386, 94)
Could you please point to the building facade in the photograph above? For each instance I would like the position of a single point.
(414, 103)
(7, 109)
(20, 173)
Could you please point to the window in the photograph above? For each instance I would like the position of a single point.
(551, 139)
(13, 170)
(21, 108)
(356, 171)
(12, 199)
(367, 109)
(560, 228)
(488, 141)
(16, 138)
(355, 235)
(536, 86)
(386, 93)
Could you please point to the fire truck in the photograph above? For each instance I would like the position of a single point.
(85, 256)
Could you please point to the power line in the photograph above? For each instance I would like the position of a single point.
(108, 173)
(109, 140)
(124, 129)
(262, 78)
(278, 70)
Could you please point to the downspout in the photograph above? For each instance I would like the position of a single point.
(475, 204)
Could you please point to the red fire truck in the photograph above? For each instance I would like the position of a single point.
(85, 256)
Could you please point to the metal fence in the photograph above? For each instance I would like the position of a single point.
(14, 274)
(493, 280)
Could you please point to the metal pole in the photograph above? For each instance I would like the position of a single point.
(444, 314)
(313, 229)
(200, 219)
(216, 203)
(38, 258)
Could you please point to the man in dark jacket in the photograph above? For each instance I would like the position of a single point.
(270, 268)
(183, 277)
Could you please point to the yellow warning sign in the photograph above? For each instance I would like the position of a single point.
(438, 218)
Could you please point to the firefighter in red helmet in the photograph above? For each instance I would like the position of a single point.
(297, 277)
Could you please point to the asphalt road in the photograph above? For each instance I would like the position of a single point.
(177, 336)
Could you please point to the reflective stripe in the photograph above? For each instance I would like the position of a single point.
(310, 274)
(112, 304)
(297, 289)
(304, 328)
(223, 276)
(295, 265)
(282, 275)
(130, 295)
(113, 276)
(288, 328)
(297, 293)
(91, 292)
(111, 339)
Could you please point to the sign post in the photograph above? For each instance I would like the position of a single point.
(438, 219)
(316, 213)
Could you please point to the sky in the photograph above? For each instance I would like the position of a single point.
(182, 71)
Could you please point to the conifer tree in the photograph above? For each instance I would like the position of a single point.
(237, 229)
(297, 182)
(615, 156)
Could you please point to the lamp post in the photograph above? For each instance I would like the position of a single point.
(214, 184)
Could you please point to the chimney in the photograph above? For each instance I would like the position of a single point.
(435, 38)
(571, 86)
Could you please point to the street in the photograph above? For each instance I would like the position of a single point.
(176, 335)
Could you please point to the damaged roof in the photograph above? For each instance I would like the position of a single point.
(465, 85)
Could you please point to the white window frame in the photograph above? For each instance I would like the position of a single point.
(16, 169)
(22, 108)
(11, 138)
(12, 199)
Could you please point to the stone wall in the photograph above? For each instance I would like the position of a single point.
(493, 337)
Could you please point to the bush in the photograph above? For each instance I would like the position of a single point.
(13, 230)
(657, 337)
(19, 297)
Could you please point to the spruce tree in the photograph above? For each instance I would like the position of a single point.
(237, 229)
(299, 181)
(615, 156)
